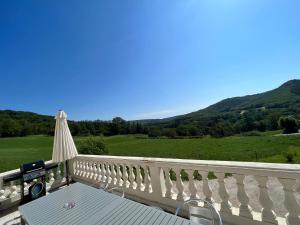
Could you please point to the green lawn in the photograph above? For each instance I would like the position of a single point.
(15, 151)
(268, 148)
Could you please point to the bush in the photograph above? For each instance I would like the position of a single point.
(260, 125)
(289, 124)
(154, 132)
(221, 129)
(169, 132)
(289, 157)
(93, 146)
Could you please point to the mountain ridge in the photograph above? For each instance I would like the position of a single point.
(293, 87)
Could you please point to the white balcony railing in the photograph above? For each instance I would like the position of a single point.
(244, 192)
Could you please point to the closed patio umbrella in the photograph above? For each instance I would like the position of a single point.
(63, 146)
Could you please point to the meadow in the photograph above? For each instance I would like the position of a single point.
(263, 148)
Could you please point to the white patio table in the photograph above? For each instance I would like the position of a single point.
(93, 206)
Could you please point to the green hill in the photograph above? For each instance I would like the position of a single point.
(20, 123)
(262, 109)
(285, 98)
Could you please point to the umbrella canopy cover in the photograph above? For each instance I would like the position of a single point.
(63, 147)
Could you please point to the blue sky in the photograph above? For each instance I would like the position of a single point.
(143, 59)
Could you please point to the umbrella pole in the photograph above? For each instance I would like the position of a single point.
(67, 173)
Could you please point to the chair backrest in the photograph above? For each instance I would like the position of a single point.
(117, 190)
(203, 215)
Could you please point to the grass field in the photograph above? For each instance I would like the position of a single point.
(267, 148)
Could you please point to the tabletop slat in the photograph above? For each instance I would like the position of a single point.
(94, 207)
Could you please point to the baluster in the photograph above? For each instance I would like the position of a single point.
(13, 189)
(108, 173)
(168, 183)
(76, 168)
(266, 202)
(290, 202)
(95, 171)
(113, 174)
(65, 170)
(147, 180)
(2, 194)
(125, 176)
(84, 169)
(242, 196)
(131, 176)
(179, 184)
(192, 186)
(88, 170)
(103, 178)
(80, 168)
(26, 186)
(98, 172)
(119, 175)
(225, 204)
(92, 170)
(51, 176)
(2, 190)
(58, 172)
(206, 190)
(138, 178)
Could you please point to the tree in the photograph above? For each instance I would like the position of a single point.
(118, 126)
(247, 123)
(10, 128)
(26, 129)
(272, 121)
(289, 124)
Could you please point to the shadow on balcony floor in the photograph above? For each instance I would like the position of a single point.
(10, 217)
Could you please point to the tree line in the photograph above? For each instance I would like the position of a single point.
(228, 124)
(14, 124)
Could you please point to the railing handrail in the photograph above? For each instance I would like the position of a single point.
(247, 168)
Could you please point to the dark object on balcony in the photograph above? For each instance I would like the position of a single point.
(29, 172)
(36, 190)
(18, 175)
